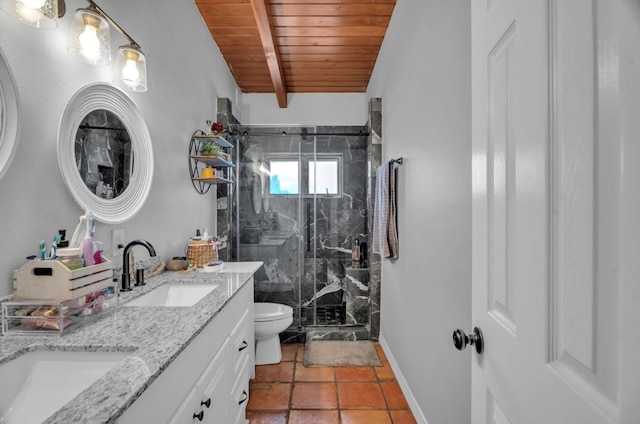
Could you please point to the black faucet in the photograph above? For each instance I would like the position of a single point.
(126, 278)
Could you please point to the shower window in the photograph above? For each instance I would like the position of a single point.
(324, 177)
(321, 176)
(284, 176)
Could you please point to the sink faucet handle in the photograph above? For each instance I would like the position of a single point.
(140, 277)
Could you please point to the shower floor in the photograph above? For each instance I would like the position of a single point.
(325, 315)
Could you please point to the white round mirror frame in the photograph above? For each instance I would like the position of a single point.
(9, 109)
(92, 97)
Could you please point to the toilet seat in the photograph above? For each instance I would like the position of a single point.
(264, 311)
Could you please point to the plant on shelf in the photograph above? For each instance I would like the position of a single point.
(217, 129)
(209, 149)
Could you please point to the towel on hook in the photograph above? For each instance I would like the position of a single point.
(385, 229)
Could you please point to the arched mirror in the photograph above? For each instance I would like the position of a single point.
(105, 153)
(9, 107)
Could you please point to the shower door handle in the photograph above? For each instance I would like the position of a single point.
(308, 227)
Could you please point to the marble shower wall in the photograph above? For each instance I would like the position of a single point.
(363, 285)
(335, 223)
(374, 162)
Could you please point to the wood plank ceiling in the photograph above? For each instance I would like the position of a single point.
(298, 46)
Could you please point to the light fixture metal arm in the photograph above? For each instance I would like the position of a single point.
(62, 8)
(114, 24)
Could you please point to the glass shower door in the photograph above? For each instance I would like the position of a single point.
(267, 222)
(301, 203)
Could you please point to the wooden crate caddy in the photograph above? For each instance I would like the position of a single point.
(52, 280)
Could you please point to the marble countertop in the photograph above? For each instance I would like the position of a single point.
(154, 336)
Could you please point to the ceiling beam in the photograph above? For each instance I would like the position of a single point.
(270, 47)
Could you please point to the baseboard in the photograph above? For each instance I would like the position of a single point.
(406, 390)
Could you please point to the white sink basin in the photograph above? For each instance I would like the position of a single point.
(37, 384)
(174, 295)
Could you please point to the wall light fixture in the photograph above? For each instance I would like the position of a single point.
(36, 13)
(90, 40)
(90, 37)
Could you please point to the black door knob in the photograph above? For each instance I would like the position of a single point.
(462, 340)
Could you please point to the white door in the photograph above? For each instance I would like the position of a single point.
(556, 212)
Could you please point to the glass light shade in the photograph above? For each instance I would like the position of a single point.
(37, 13)
(90, 37)
(130, 69)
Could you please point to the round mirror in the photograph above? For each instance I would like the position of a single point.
(105, 153)
(8, 115)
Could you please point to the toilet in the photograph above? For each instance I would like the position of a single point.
(270, 319)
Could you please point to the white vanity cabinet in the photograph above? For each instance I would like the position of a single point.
(209, 380)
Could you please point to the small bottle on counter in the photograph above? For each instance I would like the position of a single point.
(355, 252)
(70, 257)
(97, 252)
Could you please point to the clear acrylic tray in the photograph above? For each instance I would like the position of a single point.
(38, 317)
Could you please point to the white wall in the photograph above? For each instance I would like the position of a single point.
(423, 77)
(305, 109)
(186, 74)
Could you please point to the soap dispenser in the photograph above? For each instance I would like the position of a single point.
(363, 254)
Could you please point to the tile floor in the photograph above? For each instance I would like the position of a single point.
(291, 393)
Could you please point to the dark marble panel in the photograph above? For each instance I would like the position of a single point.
(224, 192)
(357, 296)
(294, 334)
(374, 162)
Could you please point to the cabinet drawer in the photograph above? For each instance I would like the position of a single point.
(240, 398)
(241, 343)
(212, 388)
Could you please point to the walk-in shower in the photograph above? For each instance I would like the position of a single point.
(301, 202)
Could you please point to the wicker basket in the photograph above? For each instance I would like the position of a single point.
(201, 252)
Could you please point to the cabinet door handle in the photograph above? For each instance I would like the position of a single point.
(206, 403)
(246, 396)
(199, 416)
(244, 346)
